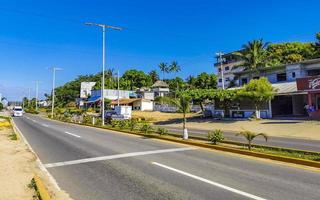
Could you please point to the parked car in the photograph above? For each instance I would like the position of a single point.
(17, 111)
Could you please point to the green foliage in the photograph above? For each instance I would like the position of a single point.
(206, 81)
(1, 106)
(114, 123)
(137, 79)
(123, 124)
(154, 76)
(253, 54)
(176, 84)
(146, 128)
(249, 136)
(133, 123)
(289, 52)
(162, 131)
(13, 136)
(31, 111)
(259, 91)
(163, 68)
(215, 136)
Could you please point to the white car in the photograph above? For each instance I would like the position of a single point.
(17, 111)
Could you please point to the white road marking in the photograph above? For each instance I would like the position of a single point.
(34, 121)
(45, 125)
(210, 182)
(125, 155)
(78, 136)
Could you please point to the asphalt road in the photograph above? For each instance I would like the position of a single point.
(302, 144)
(90, 163)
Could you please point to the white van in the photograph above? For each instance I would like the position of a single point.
(17, 111)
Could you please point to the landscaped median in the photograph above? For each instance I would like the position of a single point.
(307, 158)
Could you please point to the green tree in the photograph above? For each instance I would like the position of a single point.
(174, 67)
(137, 79)
(206, 81)
(191, 82)
(154, 76)
(176, 84)
(183, 105)
(253, 55)
(317, 45)
(249, 136)
(163, 68)
(289, 52)
(1, 106)
(225, 98)
(258, 91)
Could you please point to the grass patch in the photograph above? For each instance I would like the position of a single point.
(13, 136)
(32, 185)
(288, 153)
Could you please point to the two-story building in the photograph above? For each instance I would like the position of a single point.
(289, 100)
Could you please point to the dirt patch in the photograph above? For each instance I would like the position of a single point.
(283, 128)
(17, 167)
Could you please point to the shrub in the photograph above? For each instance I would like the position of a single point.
(123, 124)
(249, 136)
(146, 128)
(133, 123)
(13, 136)
(162, 131)
(114, 123)
(215, 136)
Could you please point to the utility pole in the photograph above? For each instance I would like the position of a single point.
(220, 54)
(29, 96)
(104, 27)
(118, 101)
(37, 93)
(54, 69)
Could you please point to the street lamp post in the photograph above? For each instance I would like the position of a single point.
(37, 93)
(54, 69)
(220, 54)
(104, 27)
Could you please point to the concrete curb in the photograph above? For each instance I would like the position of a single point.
(215, 147)
(43, 192)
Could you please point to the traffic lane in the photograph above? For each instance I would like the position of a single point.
(118, 142)
(302, 144)
(140, 179)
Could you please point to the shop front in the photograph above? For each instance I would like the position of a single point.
(311, 85)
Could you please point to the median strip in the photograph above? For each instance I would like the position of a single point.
(245, 194)
(125, 155)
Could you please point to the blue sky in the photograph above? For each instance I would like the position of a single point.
(36, 35)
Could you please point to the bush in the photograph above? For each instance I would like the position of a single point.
(123, 124)
(31, 111)
(162, 131)
(133, 123)
(114, 123)
(215, 136)
(13, 136)
(146, 128)
(1, 106)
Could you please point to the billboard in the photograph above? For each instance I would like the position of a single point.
(308, 83)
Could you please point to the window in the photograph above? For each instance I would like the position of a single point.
(256, 77)
(219, 69)
(220, 80)
(314, 72)
(293, 75)
(281, 77)
(227, 68)
(244, 81)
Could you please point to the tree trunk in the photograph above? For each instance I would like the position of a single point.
(185, 130)
(202, 109)
(249, 145)
(257, 112)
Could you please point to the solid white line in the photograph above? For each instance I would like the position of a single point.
(78, 136)
(125, 155)
(34, 120)
(45, 125)
(210, 182)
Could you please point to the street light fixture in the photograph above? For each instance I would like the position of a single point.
(104, 27)
(54, 69)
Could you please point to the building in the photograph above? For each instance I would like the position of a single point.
(136, 103)
(290, 100)
(160, 89)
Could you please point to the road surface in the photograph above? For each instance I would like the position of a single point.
(302, 144)
(89, 163)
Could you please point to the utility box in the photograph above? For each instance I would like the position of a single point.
(122, 112)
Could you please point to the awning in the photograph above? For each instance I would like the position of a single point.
(93, 99)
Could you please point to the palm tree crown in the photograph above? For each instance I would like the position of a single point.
(253, 54)
(163, 68)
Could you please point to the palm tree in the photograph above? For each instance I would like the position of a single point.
(163, 68)
(183, 105)
(174, 67)
(250, 136)
(253, 55)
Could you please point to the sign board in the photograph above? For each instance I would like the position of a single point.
(308, 83)
(85, 89)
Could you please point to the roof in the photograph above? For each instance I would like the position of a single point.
(160, 84)
(284, 88)
(93, 99)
